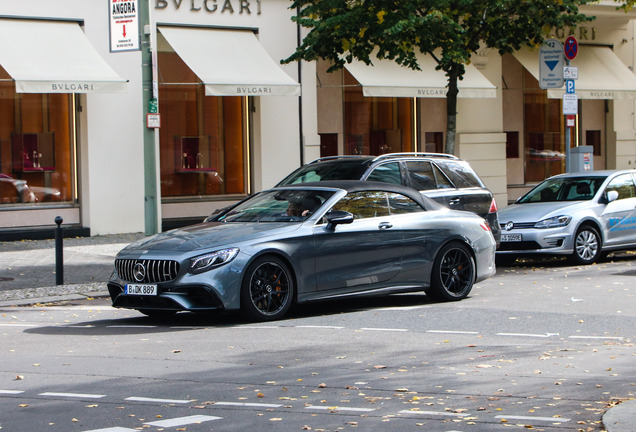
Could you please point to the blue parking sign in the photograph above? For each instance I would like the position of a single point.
(569, 86)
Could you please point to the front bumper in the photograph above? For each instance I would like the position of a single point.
(183, 298)
(556, 241)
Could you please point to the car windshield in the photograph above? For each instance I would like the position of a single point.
(564, 189)
(278, 206)
(321, 171)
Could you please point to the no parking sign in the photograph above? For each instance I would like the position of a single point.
(570, 47)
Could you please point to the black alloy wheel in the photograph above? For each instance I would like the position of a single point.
(453, 273)
(587, 246)
(268, 289)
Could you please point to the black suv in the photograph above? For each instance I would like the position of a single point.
(442, 177)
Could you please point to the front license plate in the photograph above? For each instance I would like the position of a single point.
(140, 289)
(511, 237)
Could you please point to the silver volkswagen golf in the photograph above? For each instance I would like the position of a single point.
(582, 215)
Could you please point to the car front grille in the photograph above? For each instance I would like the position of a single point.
(154, 271)
(519, 225)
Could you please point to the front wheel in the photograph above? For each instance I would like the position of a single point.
(453, 273)
(587, 246)
(267, 291)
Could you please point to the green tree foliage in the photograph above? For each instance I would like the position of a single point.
(450, 31)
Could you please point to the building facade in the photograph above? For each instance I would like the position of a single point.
(231, 120)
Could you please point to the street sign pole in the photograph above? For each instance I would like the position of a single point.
(151, 189)
(570, 99)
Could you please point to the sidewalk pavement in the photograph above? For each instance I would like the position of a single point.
(27, 268)
(27, 276)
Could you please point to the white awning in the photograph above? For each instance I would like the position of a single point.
(230, 62)
(602, 75)
(385, 78)
(53, 57)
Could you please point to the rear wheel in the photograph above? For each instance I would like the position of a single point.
(587, 245)
(453, 273)
(268, 289)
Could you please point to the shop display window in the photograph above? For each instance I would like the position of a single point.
(376, 125)
(203, 139)
(37, 162)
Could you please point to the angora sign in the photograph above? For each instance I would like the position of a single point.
(124, 25)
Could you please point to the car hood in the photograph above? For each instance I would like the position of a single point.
(534, 212)
(210, 235)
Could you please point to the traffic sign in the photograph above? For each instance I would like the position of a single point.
(569, 86)
(571, 47)
(551, 63)
(570, 104)
(571, 72)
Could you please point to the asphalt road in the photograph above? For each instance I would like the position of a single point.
(542, 347)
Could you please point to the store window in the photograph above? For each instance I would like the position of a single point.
(203, 139)
(376, 125)
(434, 142)
(544, 137)
(37, 147)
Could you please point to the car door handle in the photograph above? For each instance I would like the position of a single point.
(385, 225)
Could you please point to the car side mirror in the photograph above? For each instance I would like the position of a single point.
(612, 196)
(338, 217)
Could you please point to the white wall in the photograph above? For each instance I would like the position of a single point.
(110, 139)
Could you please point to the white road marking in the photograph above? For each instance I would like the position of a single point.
(545, 335)
(256, 327)
(383, 329)
(547, 419)
(187, 328)
(597, 337)
(319, 327)
(19, 325)
(113, 429)
(249, 404)
(453, 332)
(11, 391)
(182, 421)
(73, 395)
(145, 399)
(338, 408)
(435, 413)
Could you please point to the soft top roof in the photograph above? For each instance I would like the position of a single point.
(359, 185)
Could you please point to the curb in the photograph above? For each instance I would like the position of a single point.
(32, 296)
(620, 418)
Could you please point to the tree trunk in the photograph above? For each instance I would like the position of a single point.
(451, 111)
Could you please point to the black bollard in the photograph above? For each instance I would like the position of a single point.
(59, 255)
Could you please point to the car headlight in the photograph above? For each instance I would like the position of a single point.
(212, 260)
(554, 222)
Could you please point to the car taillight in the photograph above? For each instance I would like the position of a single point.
(493, 207)
(485, 226)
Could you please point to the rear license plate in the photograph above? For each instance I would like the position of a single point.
(511, 237)
(139, 289)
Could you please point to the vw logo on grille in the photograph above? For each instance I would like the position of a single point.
(510, 225)
(139, 272)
